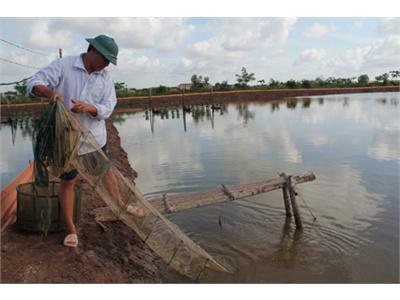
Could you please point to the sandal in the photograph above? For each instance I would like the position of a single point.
(71, 240)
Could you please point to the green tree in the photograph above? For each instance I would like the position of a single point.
(306, 83)
(291, 84)
(274, 83)
(121, 89)
(222, 86)
(395, 74)
(384, 78)
(261, 82)
(20, 87)
(198, 81)
(161, 89)
(320, 82)
(244, 78)
(363, 79)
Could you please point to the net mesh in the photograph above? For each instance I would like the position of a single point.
(62, 143)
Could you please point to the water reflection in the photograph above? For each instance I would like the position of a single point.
(274, 106)
(23, 123)
(385, 145)
(244, 113)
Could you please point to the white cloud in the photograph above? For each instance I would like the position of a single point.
(243, 34)
(230, 45)
(235, 36)
(374, 59)
(389, 25)
(212, 50)
(385, 53)
(317, 30)
(359, 24)
(378, 57)
(351, 59)
(135, 69)
(163, 34)
(43, 36)
(311, 56)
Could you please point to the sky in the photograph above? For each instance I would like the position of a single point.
(168, 51)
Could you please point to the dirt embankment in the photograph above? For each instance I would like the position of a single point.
(205, 98)
(241, 96)
(116, 255)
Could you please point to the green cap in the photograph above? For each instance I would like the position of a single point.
(106, 46)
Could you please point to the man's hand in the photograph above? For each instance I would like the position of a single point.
(82, 107)
(56, 96)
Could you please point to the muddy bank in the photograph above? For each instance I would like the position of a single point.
(205, 98)
(113, 255)
(241, 96)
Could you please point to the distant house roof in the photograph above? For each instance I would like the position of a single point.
(185, 86)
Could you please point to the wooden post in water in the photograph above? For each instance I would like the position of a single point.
(295, 209)
(285, 193)
(286, 200)
(150, 99)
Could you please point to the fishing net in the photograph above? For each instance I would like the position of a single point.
(62, 143)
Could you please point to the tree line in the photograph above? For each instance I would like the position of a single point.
(244, 80)
(247, 80)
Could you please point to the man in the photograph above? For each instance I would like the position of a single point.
(87, 90)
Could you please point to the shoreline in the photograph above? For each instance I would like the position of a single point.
(178, 100)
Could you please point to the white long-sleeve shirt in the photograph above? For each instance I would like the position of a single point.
(69, 77)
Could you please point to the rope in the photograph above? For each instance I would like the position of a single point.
(302, 198)
(23, 48)
(18, 64)
(15, 82)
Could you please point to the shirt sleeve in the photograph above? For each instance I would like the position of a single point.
(48, 76)
(106, 106)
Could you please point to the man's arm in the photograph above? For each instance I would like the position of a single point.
(45, 91)
(45, 80)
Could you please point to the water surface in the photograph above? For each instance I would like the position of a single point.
(351, 143)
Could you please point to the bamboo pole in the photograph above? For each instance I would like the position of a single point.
(286, 201)
(174, 203)
(296, 213)
(285, 194)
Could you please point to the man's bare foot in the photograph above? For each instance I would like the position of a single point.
(135, 210)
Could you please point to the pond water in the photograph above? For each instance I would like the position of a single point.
(350, 142)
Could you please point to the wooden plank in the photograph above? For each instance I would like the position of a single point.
(173, 203)
(227, 193)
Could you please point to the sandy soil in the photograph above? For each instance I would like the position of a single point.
(113, 255)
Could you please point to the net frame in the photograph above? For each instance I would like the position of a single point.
(61, 142)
